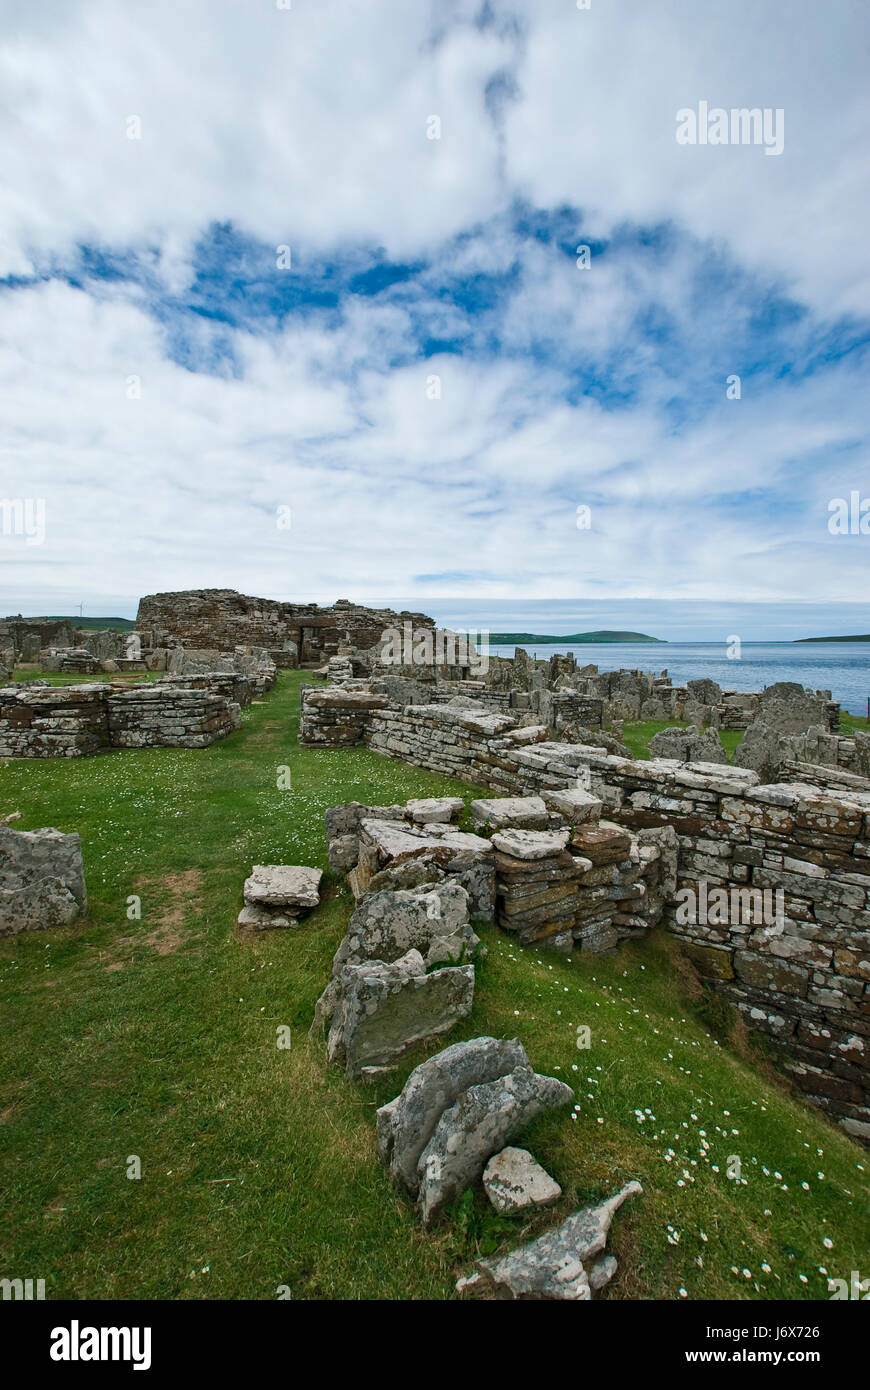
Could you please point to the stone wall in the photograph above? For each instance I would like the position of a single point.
(74, 721)
(154, 716)
(43, 721)
(606, 697)
(334, 717)
(806, 982)
(294, 634)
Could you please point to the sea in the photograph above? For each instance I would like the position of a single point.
(841, 667)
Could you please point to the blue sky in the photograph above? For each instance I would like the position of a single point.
(432, 386)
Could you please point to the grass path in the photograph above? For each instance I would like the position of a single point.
(156, 1037)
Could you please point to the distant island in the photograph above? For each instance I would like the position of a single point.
(862, 637)
(522, 639)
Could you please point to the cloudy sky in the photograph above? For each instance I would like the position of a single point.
(291, 303)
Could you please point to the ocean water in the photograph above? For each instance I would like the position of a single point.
(841, 667)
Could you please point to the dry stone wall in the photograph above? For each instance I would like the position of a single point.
(802, 975)
(51, 722)
(295, 634)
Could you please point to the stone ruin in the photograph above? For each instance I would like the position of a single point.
(293, 634)
(43, 721)
(544, 868)
(581, 848)
(404, 974)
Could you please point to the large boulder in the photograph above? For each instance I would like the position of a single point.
(384, 1010)
(431, 919)
(479, 1124)
(688, 745)
(42, 879)
(406, 1124)
(566, 1263)
(762, 750)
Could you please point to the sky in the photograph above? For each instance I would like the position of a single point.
(294, 300)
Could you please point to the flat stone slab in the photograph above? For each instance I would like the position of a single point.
(530, 844)
(604, 843)
(436, 808)
(396, 839)
(265, 919)
(577, 805)
(510, 812)
(514, 1180)
(283, 885)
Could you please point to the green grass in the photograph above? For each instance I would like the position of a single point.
(156, 1038)
(95, 624)
(34, 673)
(637, 736)
(850, 722)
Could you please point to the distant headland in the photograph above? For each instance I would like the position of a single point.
(862, 637)
(520, 639)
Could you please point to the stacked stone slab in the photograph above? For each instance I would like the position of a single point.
(164, 717)
(278, 896)
(232, 687)
(42, 880)
(333, 717)
(586, 887)
(41, 721)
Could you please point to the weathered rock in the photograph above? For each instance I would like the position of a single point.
(560, 1264)
(530, 844)
(688, 745)
(283, 885)
(577, 806)
(514, 1181)
(385, 1010)
(42, 880)
(762, 750)
(510, 812)
(436, 809)
(388, 924)
(477, 1125)
(265, 918)
(406, 1124)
